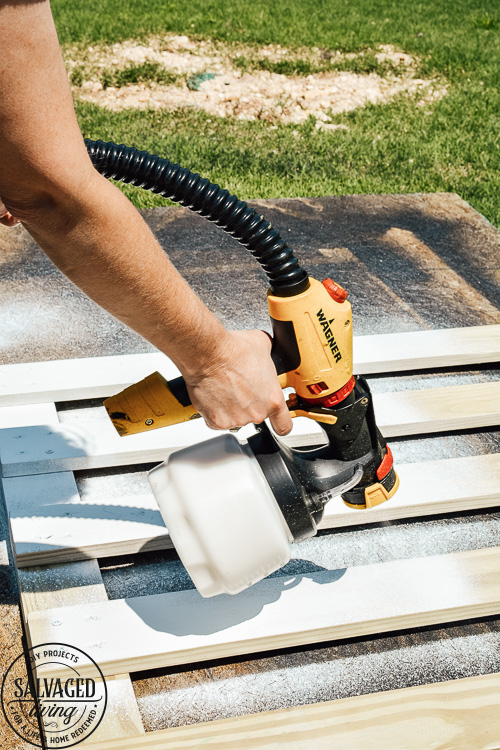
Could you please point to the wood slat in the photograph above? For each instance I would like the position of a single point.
(395, 352)
(426, 488)
(43, 588)
(459, 715)
(52, 523)
(179, 628)
(118, 514)
(87, 439)
(455, 407)
(73, 379)
(25, 416)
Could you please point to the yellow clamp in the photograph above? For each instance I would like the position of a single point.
(319, 414)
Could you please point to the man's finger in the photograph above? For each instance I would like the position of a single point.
(281, 420)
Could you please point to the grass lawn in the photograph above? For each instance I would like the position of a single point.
(450, 145)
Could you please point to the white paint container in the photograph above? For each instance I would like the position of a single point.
(221, 515)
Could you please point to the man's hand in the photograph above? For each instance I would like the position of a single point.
(6, 218)
(241, 386)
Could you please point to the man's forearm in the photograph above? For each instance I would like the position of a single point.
(85, 225)
(102, 244)
(98, 239)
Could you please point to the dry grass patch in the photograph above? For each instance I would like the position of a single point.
(269, 83)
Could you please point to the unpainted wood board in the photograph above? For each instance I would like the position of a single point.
(456, 715)
(179, 628)
(75, 379)
(87, 439)
(416, 350)
(44, 588)
(118, 514)
(428, 487)
(455, 407)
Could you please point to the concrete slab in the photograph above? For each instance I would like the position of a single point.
(409, 262)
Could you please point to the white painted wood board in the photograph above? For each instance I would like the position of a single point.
(24, 416)
(52, 523)
(428, 487)
(74, 379)
(63, 585)
(87, 439)
(179, 628)
(117, 514)
(15, 420)
(456, 715)
(43, 588)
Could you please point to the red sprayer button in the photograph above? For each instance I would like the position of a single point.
(386, 465)
(333, 398)
(317, 388)
(335, 291)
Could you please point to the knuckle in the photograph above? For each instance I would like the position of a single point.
(213, 423)
(210, 424)
(258, 415)
(277, 403)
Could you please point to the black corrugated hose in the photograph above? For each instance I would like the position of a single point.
(179, 184)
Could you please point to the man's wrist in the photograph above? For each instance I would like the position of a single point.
(200, 357)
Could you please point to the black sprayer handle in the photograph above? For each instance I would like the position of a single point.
(285, 350)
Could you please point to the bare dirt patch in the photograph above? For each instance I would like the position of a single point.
(225, 80)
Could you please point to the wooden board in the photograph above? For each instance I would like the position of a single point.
(87, 439)
(396, 352)
(42, 589)
(51, 522)
(73, 379)
(180, 628)
(426, 488)
(25, 416)
(456, 715)
(117, 514)
(457, 407)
